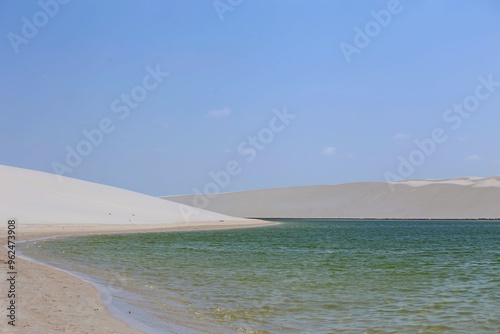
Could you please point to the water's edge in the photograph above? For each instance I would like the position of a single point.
(105, 296)
(116, 308)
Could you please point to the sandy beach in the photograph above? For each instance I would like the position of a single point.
(60, 302)
(49, 300)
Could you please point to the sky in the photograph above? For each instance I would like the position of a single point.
(170, 97)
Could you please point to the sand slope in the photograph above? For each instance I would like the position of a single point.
(465, 198)
(52, 301)
(40, 198)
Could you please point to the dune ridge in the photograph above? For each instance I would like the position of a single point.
(461, 198)
(35, 197)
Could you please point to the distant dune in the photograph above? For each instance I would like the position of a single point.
(464, 198)
(40, 198)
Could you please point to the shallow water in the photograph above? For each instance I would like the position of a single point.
(302, 276)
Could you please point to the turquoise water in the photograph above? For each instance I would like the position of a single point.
(299, 277)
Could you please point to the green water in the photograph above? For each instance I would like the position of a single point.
(300, 276)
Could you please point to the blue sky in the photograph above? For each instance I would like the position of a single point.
(232, 65)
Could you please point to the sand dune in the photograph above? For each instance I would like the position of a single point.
(464, 198)
(39, 198)
(52, 301)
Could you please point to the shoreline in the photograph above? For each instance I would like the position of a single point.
(61, 301)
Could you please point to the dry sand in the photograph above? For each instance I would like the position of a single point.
(49, 300)
(465, 198)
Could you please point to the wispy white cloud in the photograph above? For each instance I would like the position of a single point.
(330, 150)
(220, 112)
(401, 136)
(474, 157)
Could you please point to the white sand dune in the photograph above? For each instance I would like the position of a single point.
(44, 205)
(40, 198)
(464, 198)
